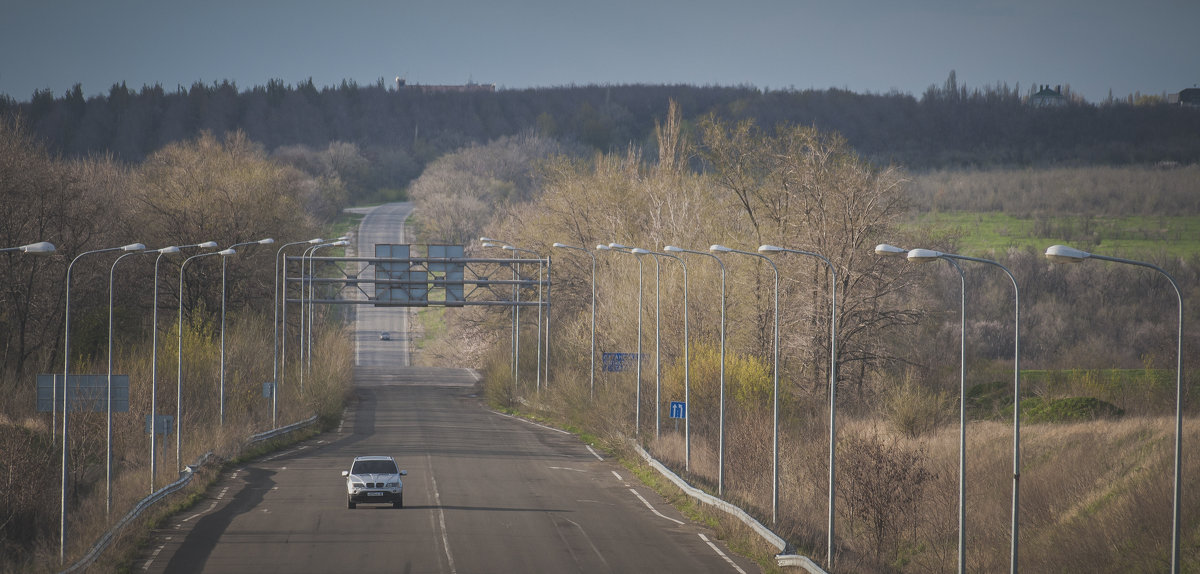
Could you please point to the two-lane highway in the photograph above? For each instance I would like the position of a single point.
(485, 492)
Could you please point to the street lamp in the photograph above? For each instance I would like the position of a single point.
(312, 272)
(893, 251)
(721, 425)
(515, 250)
(687, 363)
(179, 357)
(39, 248)
(657, 338)
(775, 370)
(1064, 254)
(515, 333)
(637, 409)
(926, 255)
(592, 372)
(108, 432)
(66, 402)
(275, 372)
(266, 241)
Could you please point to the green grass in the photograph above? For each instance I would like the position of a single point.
(981, 233)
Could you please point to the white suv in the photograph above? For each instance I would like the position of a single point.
(374, 480)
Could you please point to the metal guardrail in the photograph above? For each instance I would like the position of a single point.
(781, 559)
(281, 430)
(185, 477)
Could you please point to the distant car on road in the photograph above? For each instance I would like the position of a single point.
(374, 480)
(385, 336)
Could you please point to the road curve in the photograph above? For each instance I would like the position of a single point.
(485, 493)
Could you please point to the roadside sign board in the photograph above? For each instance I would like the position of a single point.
(88, 393)
(268, 389)
(616, 362)
(678, 410)
(162, 424)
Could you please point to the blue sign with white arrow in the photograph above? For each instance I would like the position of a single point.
(678, 410)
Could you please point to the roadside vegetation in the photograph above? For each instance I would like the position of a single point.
(222, 189)
(1097, 341)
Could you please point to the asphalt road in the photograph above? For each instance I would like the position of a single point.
(484, 493)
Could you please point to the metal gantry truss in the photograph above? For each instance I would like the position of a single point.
(424, 283)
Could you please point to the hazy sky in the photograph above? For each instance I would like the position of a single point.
(1151, 46)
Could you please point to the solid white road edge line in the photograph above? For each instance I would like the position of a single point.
(437, 499)
(722, 554)
(655, 510)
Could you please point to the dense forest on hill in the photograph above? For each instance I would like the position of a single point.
(400, 131)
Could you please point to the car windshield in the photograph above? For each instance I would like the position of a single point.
(373, 467)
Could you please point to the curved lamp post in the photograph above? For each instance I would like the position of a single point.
(832, 382)
(66, 402)
(179, 357)
(637, 409)
(592, 372)
(276, 374)
(312, 288)
(266, 241)
(515, 335)
(515, 250)
(721, 424)
(893, 251)
(926, 255)
(108, 425)
(657, 363)
(657, 338)
(687, 363)
(1064, 254)
(154, 354)
(775, 392)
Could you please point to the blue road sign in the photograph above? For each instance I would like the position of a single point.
(678, 410)
(616, 362)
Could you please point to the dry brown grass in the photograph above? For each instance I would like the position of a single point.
(248, 363)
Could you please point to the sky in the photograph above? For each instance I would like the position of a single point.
(876, 46)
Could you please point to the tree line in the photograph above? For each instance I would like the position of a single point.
(401, 130)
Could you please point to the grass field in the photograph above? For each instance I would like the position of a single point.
(1138, 236)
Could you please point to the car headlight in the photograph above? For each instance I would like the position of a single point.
(393, 485)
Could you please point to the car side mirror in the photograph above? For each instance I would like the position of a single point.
(345, 473)
(404, 473)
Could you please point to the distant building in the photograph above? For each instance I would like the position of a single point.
(1048, 98)
(1188, 98)
(469, 87)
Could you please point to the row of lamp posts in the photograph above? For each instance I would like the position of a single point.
(140, 249)
(1057, 254)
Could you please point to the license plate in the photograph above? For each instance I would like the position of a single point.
(374, 494)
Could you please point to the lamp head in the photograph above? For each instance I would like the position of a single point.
(42, 247)
(207, 244)
(719, 249)
(556, 244)
(923, 255)
(672, 249)
(266, 241)
(490, 240)
(227, 253)
(315, 241)
(343, 238)
(489, 244)
(341, 243)
(769, 249)
(167, 250)
(1064, 254)
(618, 246)
(889, 250)
(603, 247)
(134, 247)
(639, 251)
(508, 248)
